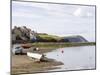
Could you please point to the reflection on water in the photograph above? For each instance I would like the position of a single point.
(74, 58)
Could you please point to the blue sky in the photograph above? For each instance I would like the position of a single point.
(55, 19)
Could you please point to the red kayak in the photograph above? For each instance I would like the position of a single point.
(26, 45)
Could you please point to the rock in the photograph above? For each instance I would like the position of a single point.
(23, 34)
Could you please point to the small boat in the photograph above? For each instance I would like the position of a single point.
(26, 45)
(38, 57)
(34, 55)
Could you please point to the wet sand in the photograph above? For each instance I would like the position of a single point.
(24, 64)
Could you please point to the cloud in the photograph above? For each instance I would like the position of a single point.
(25, 15)
(83, 12)
(26, 10)
(57, 10)
(50, 10)
(78, 12)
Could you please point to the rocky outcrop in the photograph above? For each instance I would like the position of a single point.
(23, 34)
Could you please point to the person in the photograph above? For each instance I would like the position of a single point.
(36, 49)
(62, 51)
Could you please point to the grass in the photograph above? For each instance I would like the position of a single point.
(47, 47)
(49, 37)
(59, 44)
(62, 44)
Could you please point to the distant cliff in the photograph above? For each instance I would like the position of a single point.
(25, 35)
(76, 38)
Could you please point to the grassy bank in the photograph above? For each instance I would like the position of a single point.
(49, 46)
(59, 45)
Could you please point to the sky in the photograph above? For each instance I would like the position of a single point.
(55, 19)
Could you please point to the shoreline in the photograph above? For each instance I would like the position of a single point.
(24, 64)
(28, 66)
(45, 47)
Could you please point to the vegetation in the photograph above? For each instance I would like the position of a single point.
(47, 38)
(45, 43)
(62, 44)
(26, 35)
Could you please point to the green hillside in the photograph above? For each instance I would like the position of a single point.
(49, 37)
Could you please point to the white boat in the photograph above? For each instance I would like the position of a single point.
(34, 55)
(38, 57)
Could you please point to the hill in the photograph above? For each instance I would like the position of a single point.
(25, 35)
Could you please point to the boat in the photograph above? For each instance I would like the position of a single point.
(26, 45)
(38, 57)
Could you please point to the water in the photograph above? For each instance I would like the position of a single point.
(74, 58)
